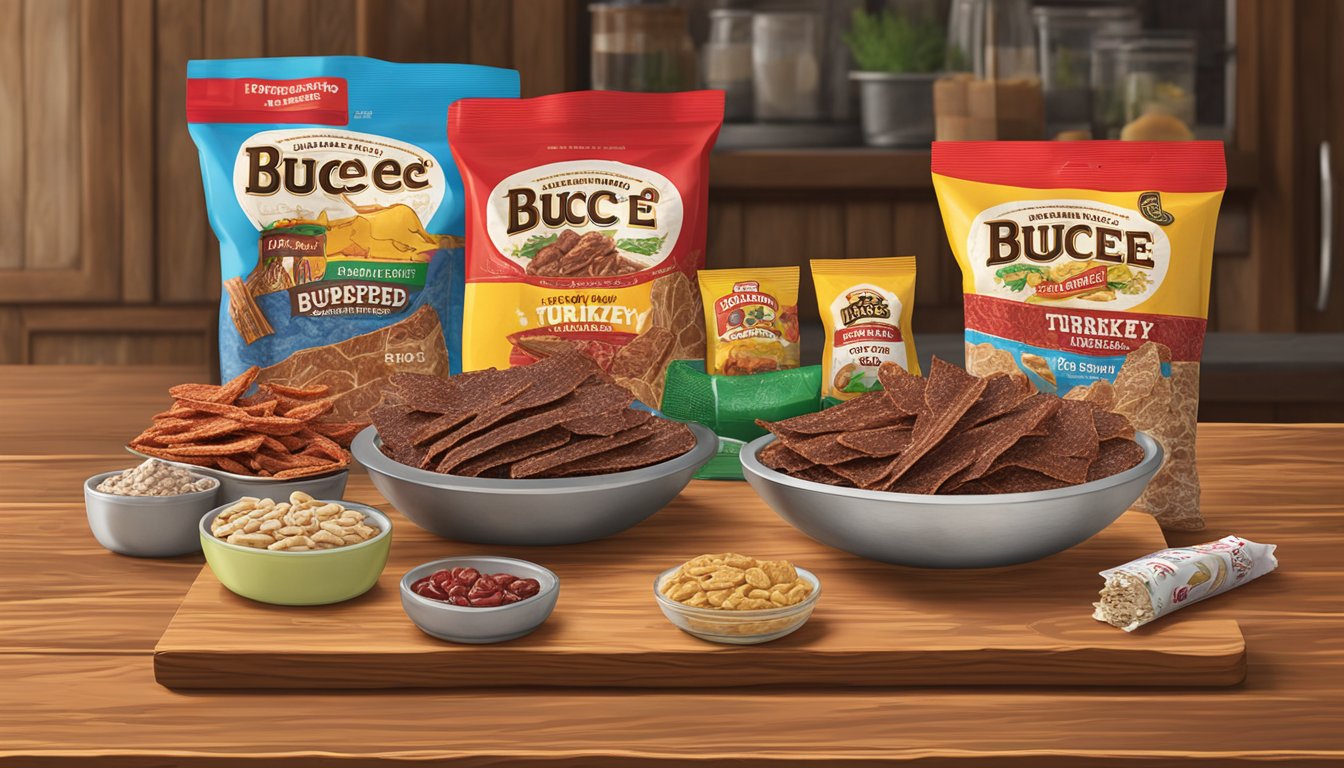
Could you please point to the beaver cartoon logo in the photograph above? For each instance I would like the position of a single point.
(864, 304)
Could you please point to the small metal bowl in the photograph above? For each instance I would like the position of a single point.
(541, 512)
(972, 531)
(146, 526)
(461, 624)
(737, 627)
(233, 487)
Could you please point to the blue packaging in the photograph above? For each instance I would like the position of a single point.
(340, 216)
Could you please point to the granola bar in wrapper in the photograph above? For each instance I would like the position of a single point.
(1155, 585)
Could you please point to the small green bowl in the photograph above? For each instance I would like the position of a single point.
(319, 577)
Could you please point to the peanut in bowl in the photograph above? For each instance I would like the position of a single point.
(737, 627)
(303, 577)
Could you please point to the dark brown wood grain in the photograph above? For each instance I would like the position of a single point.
(77, 628)
(875, 624)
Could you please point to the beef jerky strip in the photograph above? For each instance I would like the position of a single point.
(670, 439)
(517, 450)
(607, 424)
(579, 449)
(817, 474)
(991, 439)
(1002, 394)
(867, 411)
(949, 393)
(779, 456)
(589, 247)
(822, 449)
(879, 443)
(902, 388)
(1064, 452)
(396, 425)
(549, 381)
(1111, 426)
(1114, 457)
(473, 398)
(1011, 481)
(587, 401)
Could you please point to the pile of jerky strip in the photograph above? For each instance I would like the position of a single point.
(559, 417)
(575, 255)
(953, 433)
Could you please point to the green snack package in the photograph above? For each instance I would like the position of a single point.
(730, 405)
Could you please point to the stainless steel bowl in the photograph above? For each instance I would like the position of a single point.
(543, 512)
(977, 531)
(461, 624)
(233, 487)
(146, 526)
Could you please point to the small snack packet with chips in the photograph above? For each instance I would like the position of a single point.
(751, 319)
(865, 305)
(1155, 585)
(1085, 265)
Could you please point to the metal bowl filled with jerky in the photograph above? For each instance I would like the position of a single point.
(545, 454)
(952, 470)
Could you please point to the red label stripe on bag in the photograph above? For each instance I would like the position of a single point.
(872, 332)
(316, 100)
(1084, 331)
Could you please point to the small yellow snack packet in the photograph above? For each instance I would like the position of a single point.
(751, 319)
(866, 306)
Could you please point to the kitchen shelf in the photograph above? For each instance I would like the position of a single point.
(864, 169)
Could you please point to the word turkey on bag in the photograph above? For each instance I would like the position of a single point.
(339, 213)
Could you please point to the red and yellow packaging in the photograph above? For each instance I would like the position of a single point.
(866, 308)
(751, 319)
(1085, 266)
(586, 219)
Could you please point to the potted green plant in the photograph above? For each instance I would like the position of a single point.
(898, 58)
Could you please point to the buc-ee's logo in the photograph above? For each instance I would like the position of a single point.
(864, 304)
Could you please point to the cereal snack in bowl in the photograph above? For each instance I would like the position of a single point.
(299, 551)
(736, 599)
(150, 510)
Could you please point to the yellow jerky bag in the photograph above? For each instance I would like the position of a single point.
(865, 306)
(1085, 265)
(751, 319)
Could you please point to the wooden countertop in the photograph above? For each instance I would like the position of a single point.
(78, 625)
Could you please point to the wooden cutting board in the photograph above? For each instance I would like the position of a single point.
(874, 625)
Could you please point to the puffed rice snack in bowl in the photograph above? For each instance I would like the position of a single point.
(298, 551)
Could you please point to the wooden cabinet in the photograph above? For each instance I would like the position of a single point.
(106, 255)
(105, 252)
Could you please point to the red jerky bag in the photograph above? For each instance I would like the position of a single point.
(586, 221)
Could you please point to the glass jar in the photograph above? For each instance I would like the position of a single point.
(1065, 36)
(727, 61)
(786, 64)
(641, 47)
(1157, 84)
(993, 89)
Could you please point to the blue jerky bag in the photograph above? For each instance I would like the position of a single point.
(339, 213)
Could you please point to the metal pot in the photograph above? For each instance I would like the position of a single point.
(896, 109)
